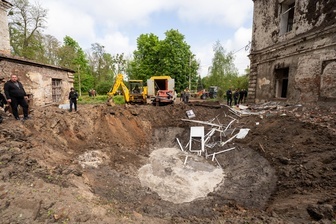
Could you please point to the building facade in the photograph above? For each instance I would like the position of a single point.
(293, 51)
(45, 84)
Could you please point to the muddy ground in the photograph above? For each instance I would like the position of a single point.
(83, 167)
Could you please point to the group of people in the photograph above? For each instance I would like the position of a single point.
(239, 96)
(15, 95)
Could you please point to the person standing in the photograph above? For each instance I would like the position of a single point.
(245, 95)
(73, 96)
(241, 96)
(182, 96)
(229, 97)
(235, 97)
(16, 95)
(186, 95)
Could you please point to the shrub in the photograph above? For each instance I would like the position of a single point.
(104, 87)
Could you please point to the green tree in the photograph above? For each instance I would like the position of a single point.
(51, 47)
(73, 57)
(26, 23)
(241, 82)
(119, 64)
(171, 57)
(200, 84)
(103, 65)
(177, 61)
(145, 59)
(223, 72)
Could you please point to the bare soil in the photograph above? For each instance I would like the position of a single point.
(83, 167)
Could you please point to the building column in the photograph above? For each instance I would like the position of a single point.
(4, 30)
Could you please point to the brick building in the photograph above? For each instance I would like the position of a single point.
(45, 84)
(293, 51)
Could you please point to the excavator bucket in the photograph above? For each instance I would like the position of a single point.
(110, 101)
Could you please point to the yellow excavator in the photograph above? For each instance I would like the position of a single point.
(136, 93)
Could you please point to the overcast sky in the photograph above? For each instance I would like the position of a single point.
(117, 24)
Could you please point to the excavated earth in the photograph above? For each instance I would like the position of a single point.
(123, 164)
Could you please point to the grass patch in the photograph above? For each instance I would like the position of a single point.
(119, 99)
(86, 99)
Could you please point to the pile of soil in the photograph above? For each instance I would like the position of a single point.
(83, 167)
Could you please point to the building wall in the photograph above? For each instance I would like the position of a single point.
(37, 80)
(4, 32)
(307, 52)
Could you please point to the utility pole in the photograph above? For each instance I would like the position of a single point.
(79, 82)
(190, 73)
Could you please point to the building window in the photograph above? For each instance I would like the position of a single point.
(56, 90)
(281, 82)
(287, 16)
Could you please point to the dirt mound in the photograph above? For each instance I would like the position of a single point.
(83, 167)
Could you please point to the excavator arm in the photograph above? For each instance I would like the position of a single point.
(119, 82)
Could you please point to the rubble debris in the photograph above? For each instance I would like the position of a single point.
(205, 142)
(195, 134)
(190, 114)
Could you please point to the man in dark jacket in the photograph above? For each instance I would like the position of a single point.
(16, 95)
(73, 96)
(235, 97)
(229, 97)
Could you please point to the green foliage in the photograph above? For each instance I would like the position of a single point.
(223, 72)
(179, 61)
(241, 82)
(199, 83)
(119, 99)
(171, 57)
(86, 80)
(104, 87)
(73, 57)
(51, 46)
(145, 63)
(220, 93)
(104, 66)
(86, 99)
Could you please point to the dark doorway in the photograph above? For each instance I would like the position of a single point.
(281, 82)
